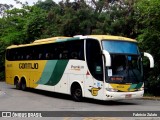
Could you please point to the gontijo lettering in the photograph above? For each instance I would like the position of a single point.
(28, 65)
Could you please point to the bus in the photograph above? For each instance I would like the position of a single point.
(102, 67)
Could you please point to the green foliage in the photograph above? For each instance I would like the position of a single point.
(3, 8)
(35, 23)
(12, 27)
(148, 15)
(2, 57)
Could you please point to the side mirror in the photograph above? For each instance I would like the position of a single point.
(107, 58)
(150, 57)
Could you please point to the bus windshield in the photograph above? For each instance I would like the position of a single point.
(126, 64)
(120, 47)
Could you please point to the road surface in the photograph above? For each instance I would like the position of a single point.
(32, 100)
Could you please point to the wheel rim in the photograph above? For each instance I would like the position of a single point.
(17, 85)
(78, 93)
(23, 86)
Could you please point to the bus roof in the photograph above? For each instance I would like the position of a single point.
(41, 41)
(63, 38)
(111, 37)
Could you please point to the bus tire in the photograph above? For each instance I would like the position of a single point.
(17, 83)
(23, 84)
(76, 92)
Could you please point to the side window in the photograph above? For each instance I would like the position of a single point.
(76, 49)
(9, 55)
(53, 51)
(94, 58)
(73, 50)
(62, 50)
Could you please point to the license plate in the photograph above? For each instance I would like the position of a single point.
(128, 96)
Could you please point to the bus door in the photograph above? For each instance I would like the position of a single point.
(94, 80)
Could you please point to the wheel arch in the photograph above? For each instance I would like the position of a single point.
(24, 80)
(75, 83)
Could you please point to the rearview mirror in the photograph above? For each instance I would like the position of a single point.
(107, 58)
(150, 57)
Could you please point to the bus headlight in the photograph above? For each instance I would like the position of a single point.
(111, 89)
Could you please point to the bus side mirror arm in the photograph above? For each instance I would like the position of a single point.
(107, 58)
(150, 57)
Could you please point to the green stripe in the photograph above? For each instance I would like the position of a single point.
(48, 71)
(68, 39)
(55, 72)
(136, 86)
(132, 87)
(139, 85)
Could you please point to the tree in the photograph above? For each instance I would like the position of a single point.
(35, 23)
(148, 24)
(3, 8)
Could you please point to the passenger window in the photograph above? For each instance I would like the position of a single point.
(53, 51)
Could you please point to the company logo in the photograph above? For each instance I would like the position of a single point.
(94, 91)
(21, 114)
(78, 67)
(28, 65)
(6, 114)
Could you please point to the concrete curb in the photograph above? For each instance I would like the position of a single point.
(151, 98)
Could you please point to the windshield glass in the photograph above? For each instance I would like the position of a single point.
(126, 64)
(125, 69)
(120, 47)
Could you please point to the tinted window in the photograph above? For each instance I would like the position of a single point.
(61, 50)
(120, 47)
(94, 58)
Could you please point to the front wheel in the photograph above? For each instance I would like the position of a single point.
(76, 93)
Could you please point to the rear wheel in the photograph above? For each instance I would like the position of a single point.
(76, 92)
(17, 84)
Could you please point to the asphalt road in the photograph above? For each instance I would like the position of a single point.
(12, 99)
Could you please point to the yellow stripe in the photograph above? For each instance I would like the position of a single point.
(121, 87)
(111, 37)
